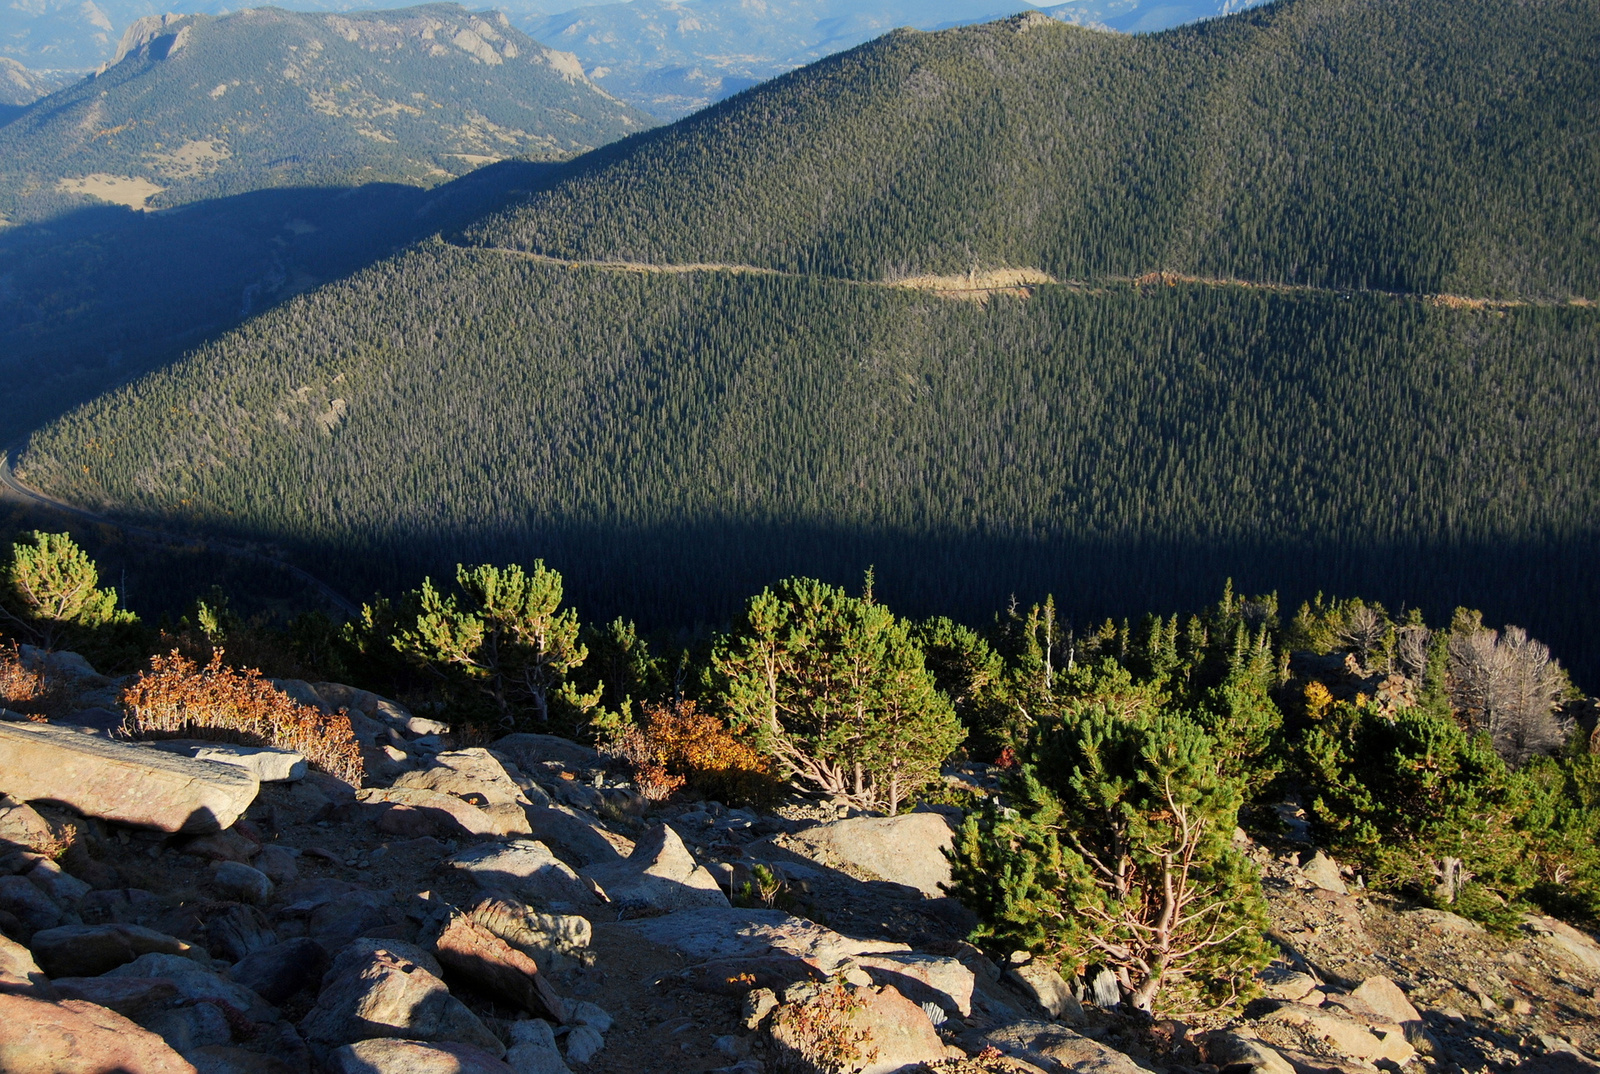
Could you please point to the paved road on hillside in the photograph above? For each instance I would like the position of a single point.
(15, 489)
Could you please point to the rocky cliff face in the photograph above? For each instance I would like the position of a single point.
(520, 907)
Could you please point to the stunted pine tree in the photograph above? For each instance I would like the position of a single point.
(837, 691)
(51, 590)
(501, 639)
(1117, 850)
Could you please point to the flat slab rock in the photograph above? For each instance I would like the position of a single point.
(1056, 1049)
(414, 1057)
(267, 763)
(707, 934)
(90, 950)
(529, 751)
(907, 849)
(121, 782)
(527, 869)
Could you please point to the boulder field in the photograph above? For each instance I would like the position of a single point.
(518, 908)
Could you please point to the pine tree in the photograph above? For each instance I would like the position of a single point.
(1117, 850)
(52, 592)
(503, 635)
(836, 689)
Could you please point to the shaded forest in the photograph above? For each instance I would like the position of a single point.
(670, 441)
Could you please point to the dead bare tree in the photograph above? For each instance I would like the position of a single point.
(1411, 653)
(1363, 631)
(1507, 685)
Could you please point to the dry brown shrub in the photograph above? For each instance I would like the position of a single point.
(821, 1031)
(176, 698)
(36, 695)
(679, 746)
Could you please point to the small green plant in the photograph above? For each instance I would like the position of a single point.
(765, 889)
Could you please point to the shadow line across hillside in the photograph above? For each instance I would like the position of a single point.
(697, 575)
(96, 297)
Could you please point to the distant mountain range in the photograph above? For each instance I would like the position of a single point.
(198, 107)
(669, 57)
(20, 86)
(1143, 16)
(82, 34)
(672, 57)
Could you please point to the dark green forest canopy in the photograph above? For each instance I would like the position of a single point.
(1423, 145)
(673, 442)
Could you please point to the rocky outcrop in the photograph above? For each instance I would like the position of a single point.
(533, 1049)
(530, 751)
(389, 995)
(709, 934)
(414, 812)
(526, 868)
(1048, 990)
(267, 763)
(1057, 1050)
(278, 972)
(906, 849)
(120, 782)
(475, 776)
(923, 978)
(660, 875)
(19, 973)
(90, 950)
(467, 948)
(22, 827)
(553, 941)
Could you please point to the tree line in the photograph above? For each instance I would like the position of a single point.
(1453, 764)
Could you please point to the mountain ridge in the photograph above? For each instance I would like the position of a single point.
(199, 107)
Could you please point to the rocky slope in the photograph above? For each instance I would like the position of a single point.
(20, 86)
(196, 107)
(519, 907)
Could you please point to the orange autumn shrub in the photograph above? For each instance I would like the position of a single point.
(177, 698)
(34, 694)
(678, 746)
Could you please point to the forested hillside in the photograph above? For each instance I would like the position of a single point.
(1425, 145)
(201, 107)
(91, 299)
(671, 441)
